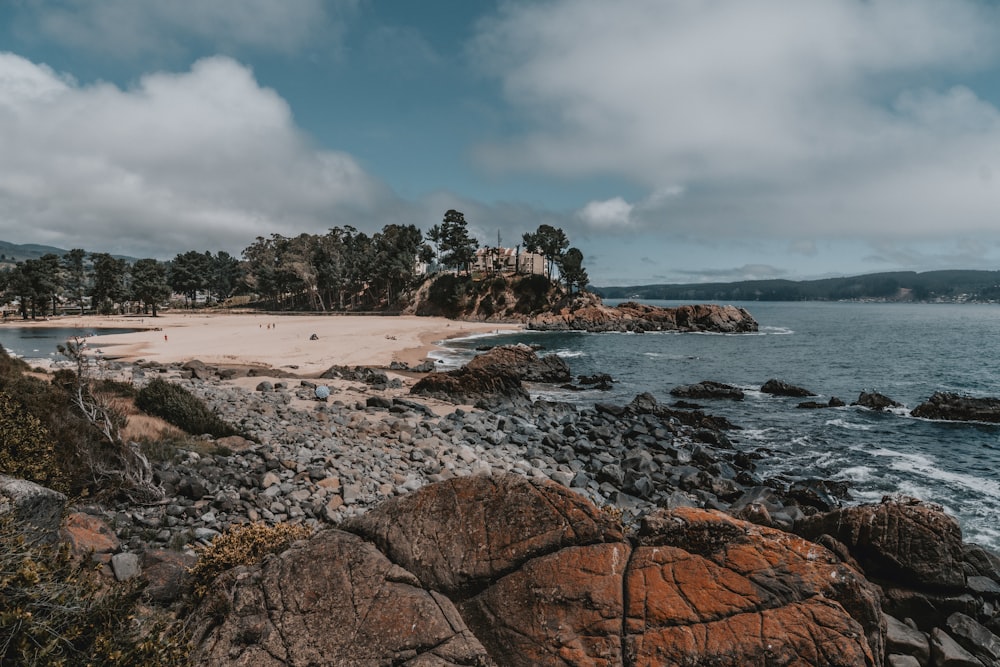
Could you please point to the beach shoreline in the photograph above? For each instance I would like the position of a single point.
(309, 344)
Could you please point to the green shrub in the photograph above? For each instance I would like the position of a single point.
(55, 610)
(242, 545)
(11, 365)
(181, 408)
(69, 443)
(26, 449)
(449, 292)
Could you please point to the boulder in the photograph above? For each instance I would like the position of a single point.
(466, 386)
(946, 652)
(952, 407)
(708, 389)
(704, 588)
(976, 639)
(900, 540)
(781, 388)
(165, 573)
(876, 401)
(460, 535)
(331, 600)
(563, 608)
(902, 639)
(522, 362)
(88, 534)
(37, 508)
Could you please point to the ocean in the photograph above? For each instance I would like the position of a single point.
(905, 351)
(42, 342)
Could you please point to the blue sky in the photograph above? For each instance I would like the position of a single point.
(674, 141)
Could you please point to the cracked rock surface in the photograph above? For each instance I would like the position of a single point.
(502, 570)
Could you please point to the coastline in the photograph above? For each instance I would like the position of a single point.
(276, 341)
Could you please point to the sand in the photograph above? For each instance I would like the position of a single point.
(281, 341)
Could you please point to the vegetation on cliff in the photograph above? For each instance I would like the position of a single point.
(891, 286)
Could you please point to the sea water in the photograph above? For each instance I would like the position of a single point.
(905, 351)
(43, 342)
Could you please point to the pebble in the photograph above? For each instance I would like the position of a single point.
(326, 461)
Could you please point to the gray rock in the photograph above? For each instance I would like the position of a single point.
(40, 509)
(125, 566)
(975, 638)
(901, 638)
(896, 660)
(946, 652)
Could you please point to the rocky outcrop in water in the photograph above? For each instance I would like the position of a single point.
(953, 407)
(782, 388)
(586, 312)
(522, 362)
(710, 390)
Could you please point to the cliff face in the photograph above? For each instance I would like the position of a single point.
(543, 306)
(586, 312)
(498, 299)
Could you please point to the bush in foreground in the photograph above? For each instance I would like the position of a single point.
(55, 610)
(181, 408)
(242, 545)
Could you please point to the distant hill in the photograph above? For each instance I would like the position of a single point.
(951, 286)
(11, 253)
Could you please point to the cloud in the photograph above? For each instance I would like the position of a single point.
(203, 159)
(772, 119)
(128, 28)
(609, 214)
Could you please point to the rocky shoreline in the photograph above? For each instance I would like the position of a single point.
(329, 463)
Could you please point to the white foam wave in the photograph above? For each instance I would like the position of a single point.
(776, 331)
(850, 426)
(570, 354)
(756, 433)
(857, 474)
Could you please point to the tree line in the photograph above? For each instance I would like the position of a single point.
(343, 269)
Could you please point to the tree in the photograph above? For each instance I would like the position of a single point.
(457, 247)
(109, 287)
(191, 273)
(549, 242)
(225, 275)
(572, 271)
(76, 275)
(149, 283)
(396, 250)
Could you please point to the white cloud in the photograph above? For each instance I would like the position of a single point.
(203, 159)
(127, 28)
(611, 214)
(775, 118)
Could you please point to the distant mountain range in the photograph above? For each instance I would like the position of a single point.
(947, 286)
(11, 253)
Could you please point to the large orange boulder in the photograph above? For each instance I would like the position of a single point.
(461, 535)
(333, 600)
(901, 540)
(564, 608)
(705, 589)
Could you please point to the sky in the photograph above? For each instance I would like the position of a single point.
(673, 141)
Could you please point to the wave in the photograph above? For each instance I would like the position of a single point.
(569, 354)
(927, 467)
(850, 426)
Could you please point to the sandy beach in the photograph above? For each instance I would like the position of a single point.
(277, 341)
